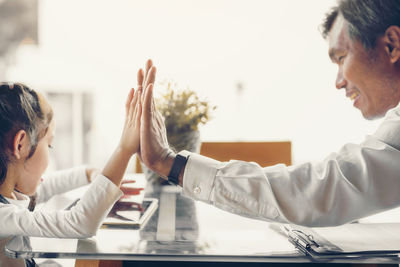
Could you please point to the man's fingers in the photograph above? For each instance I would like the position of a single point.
(138, 112)
(159, 118)
(150, 77)
(153, 105)
(146, 108)
(149, 64)
(128, 101)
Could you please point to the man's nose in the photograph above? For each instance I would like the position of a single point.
(340, 81)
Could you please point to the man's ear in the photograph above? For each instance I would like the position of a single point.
(21, 145)
(392, 43)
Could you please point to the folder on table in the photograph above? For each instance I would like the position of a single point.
(350, 240)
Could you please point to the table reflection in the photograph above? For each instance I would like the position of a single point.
(185, 229)
(180, 229)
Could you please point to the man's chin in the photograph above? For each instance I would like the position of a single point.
(372, 116)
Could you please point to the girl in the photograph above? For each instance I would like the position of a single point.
(26, 134)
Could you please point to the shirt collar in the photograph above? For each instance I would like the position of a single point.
(21, 201)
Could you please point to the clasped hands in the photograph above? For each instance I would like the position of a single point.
(145, 126)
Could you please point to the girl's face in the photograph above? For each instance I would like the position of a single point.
(34, 167)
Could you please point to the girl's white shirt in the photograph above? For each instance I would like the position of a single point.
(82, 221)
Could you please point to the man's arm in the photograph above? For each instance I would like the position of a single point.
(357, 181)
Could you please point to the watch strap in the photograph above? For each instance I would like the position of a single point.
(177, 166)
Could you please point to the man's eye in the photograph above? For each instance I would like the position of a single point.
(50, 146)
(340, 59)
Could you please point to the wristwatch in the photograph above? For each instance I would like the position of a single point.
(179, 163)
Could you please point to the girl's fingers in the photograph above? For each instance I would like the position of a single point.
(140, 79)
(133, 105)
(128, 181)
(138, 113)
(137, 110)
(131, 191)
(128, 100)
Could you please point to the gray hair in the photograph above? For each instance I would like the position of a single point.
(367, 19)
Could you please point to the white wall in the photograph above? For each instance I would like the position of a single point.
(273, 48)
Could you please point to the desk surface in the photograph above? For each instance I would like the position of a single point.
(180, 230)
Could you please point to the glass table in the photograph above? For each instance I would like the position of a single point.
(180, 230)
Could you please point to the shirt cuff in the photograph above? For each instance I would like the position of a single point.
(199, 176)
(81, 172)
(96, 203)
(104, 182)
(103, 190)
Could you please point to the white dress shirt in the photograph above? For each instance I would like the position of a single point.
(359, 180)
(81, 221)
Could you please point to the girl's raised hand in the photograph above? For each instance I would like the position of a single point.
(131, 133)
(129, 143)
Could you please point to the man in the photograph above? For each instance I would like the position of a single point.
(359, 180)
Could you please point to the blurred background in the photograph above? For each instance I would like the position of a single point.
(263, 64)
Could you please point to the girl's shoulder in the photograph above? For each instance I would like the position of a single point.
(22, 202)
(3, 200)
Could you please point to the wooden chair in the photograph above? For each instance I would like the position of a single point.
(263, 153)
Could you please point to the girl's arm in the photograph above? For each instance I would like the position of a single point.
(84, 219)
(81, 221)
(60, 182)
(129, 143)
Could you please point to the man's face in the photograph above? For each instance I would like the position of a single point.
(364, 74)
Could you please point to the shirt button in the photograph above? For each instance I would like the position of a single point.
(274, 213)
(197, 190)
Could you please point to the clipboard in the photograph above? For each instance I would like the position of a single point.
(350, 240)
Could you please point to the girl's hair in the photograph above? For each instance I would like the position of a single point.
(20, 109)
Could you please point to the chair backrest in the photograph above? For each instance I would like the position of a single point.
(263, 153)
